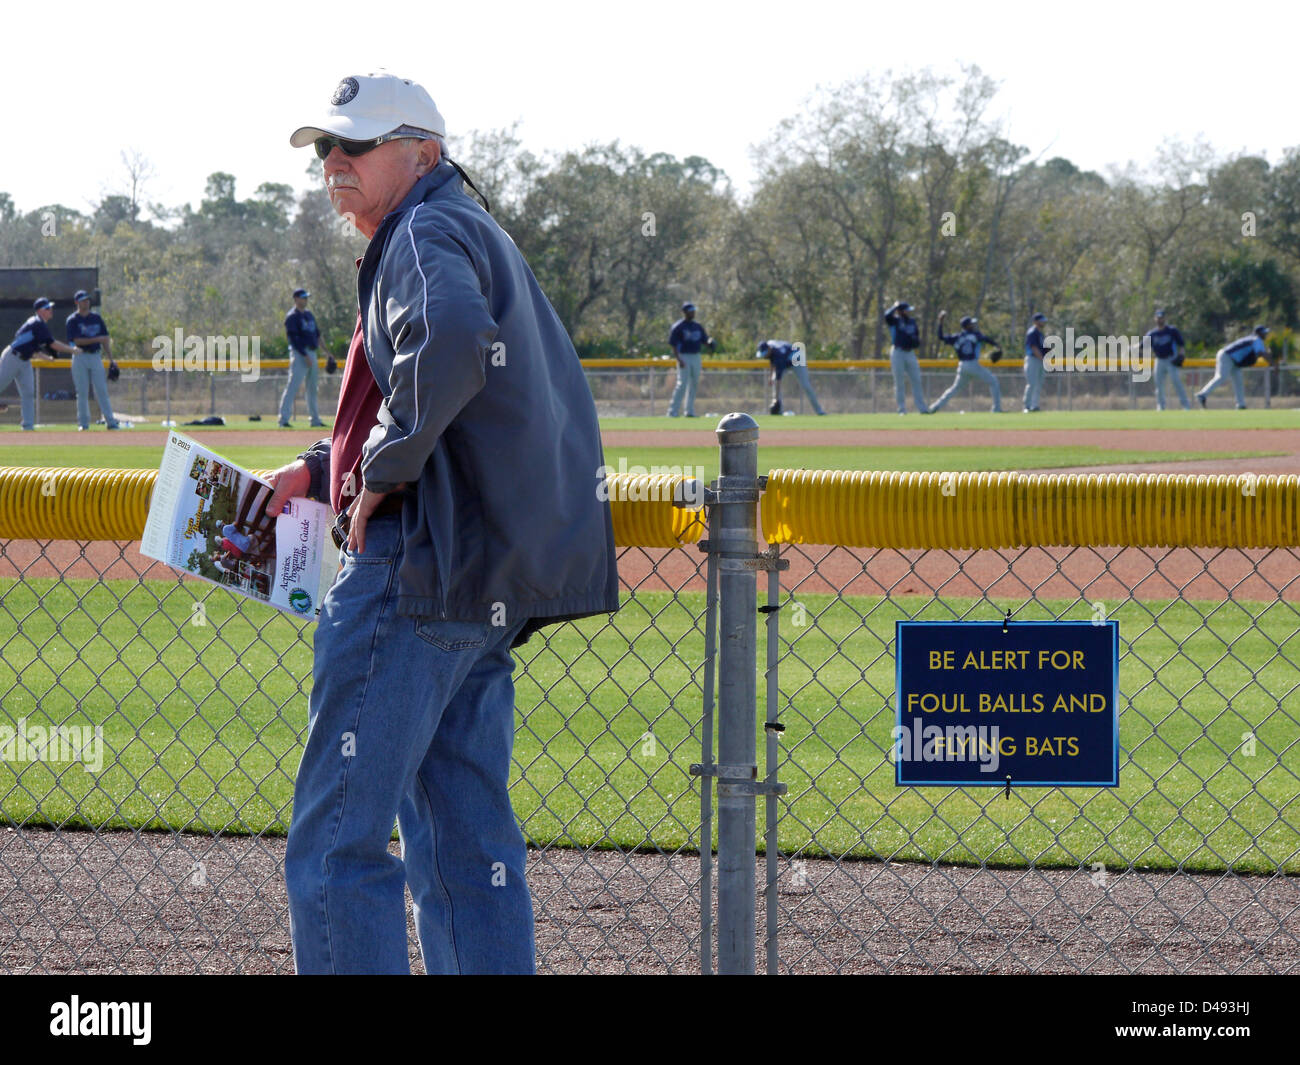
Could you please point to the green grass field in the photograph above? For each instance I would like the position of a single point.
(202, 723)
(1099, 420)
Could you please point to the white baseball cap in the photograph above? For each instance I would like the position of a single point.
(365, 106)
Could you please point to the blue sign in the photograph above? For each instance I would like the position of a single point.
(980, 702)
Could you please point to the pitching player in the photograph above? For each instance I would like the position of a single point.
(686, 339)
(304, 338)
(905, 338)
(86, 332)
(968, 343)
(1035, 352)
(785, 356)
(1167, 344)
(1231, 360)
(16, 361)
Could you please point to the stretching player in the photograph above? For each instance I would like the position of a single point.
(968, 343)
(1231, 360)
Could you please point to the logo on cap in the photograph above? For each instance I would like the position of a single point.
(347, 90)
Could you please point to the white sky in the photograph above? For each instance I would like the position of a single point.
(1100, 84)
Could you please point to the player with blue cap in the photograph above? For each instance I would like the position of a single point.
(686, 339)
(905, 340)
(1168, 347)
(967, 344)
(1231, 360)
(1035, 353)
(86, 332)
(304, 338)
(33, 337)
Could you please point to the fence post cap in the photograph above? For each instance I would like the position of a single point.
(732, 429)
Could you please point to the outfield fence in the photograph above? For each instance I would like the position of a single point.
(743, 696)
(643, 387)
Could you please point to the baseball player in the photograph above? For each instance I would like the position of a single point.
(905, 338)
(1035, 352)
(968, 343)
(1231, 360)
(16, 361)
(86, 332)
(686, 339)
(785, 356)
(1167, 344)
(304, 338)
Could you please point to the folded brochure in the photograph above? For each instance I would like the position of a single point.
(207, 517)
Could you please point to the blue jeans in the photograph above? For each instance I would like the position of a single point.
(88, 372)
(410, 719)
(300, 367)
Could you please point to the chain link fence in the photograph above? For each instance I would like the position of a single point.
(150, 730)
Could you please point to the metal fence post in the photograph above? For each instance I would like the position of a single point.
(733, 540)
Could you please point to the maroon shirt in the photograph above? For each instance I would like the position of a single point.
(358, 413)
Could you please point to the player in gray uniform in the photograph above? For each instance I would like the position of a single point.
(1168, 347)
(686, 339)
(968, 343)
(905, 338)
(1035, 352)
(1231, 360)
(86, 331)
(33, 336)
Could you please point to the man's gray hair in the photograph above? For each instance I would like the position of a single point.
(425, 135)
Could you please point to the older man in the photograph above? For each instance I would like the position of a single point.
(465, 461)
(33, 337)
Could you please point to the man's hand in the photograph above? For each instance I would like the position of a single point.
(289, 482)
(359, 515)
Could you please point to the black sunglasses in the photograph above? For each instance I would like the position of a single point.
(324, 145)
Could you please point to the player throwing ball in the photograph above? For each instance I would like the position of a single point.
(967, 344)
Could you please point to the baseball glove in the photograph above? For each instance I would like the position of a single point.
(775, 408)
(995, 355)
(114, 372)
(331, 364)
(1178, 359)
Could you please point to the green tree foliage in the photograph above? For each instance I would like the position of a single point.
(886, 187)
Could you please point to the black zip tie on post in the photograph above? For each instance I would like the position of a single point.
(1005, 620)
(1008, 792)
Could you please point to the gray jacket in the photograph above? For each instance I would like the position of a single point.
(487, 413)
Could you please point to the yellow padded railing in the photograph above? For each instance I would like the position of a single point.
(986, 510)
(80, 504)
(854, 509)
